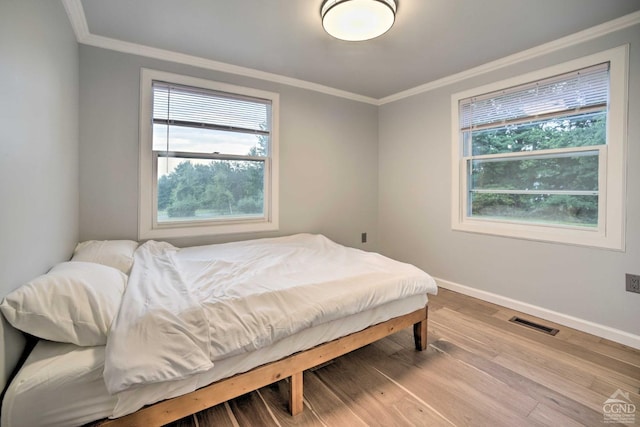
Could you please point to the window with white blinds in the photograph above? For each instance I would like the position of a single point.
(208, 157)
(178, 105)
(571, 93)
(535, 156)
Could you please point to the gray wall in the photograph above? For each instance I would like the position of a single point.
(328, 154)
(415, 207)
(38, 147)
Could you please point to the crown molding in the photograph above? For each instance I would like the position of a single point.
(196, 61)
(78, 20)
(540, 50)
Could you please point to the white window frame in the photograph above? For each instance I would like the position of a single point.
(148, 226)
(610, 232)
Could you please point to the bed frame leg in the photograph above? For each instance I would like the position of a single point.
(296, 402)
(420, 332)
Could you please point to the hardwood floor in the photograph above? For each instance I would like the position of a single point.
(479, 369)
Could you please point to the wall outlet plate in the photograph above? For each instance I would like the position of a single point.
(633, 282)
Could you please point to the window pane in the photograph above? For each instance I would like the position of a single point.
(196, 189)
(569, 172)
(192, 140)
(581, 130)
(537, 208)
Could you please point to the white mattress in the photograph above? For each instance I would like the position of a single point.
(185, 309)
(62, 384)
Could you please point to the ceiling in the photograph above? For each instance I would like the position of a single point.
(430, 40)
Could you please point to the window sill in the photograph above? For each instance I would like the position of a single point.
(170, 232)
(577, 236)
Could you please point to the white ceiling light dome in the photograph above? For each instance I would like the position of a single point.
(357, 20)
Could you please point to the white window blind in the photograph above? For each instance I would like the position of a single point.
(177, 105)
(579, 91)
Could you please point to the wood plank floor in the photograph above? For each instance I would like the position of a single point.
(479, 370)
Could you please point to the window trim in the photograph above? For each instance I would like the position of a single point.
(610, 233)
(148, 227)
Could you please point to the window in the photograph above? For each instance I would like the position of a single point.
(541, 156)
(208, 157)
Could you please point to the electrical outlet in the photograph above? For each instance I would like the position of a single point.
(364, 237)
(633, 282)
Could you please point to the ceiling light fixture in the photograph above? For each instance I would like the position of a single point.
(357, 20)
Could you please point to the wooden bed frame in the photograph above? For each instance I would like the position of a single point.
(291, 367)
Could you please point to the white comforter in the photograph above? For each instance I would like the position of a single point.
(183, 309)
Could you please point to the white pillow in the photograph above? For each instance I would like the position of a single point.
(74, 302)
(114, 253)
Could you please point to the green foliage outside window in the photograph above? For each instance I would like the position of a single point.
(205, 189)
(568, 172)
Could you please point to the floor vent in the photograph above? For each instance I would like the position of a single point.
(532, 325)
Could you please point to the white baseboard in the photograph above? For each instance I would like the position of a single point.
(612, 334)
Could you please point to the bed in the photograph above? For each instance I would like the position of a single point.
(107, 376)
